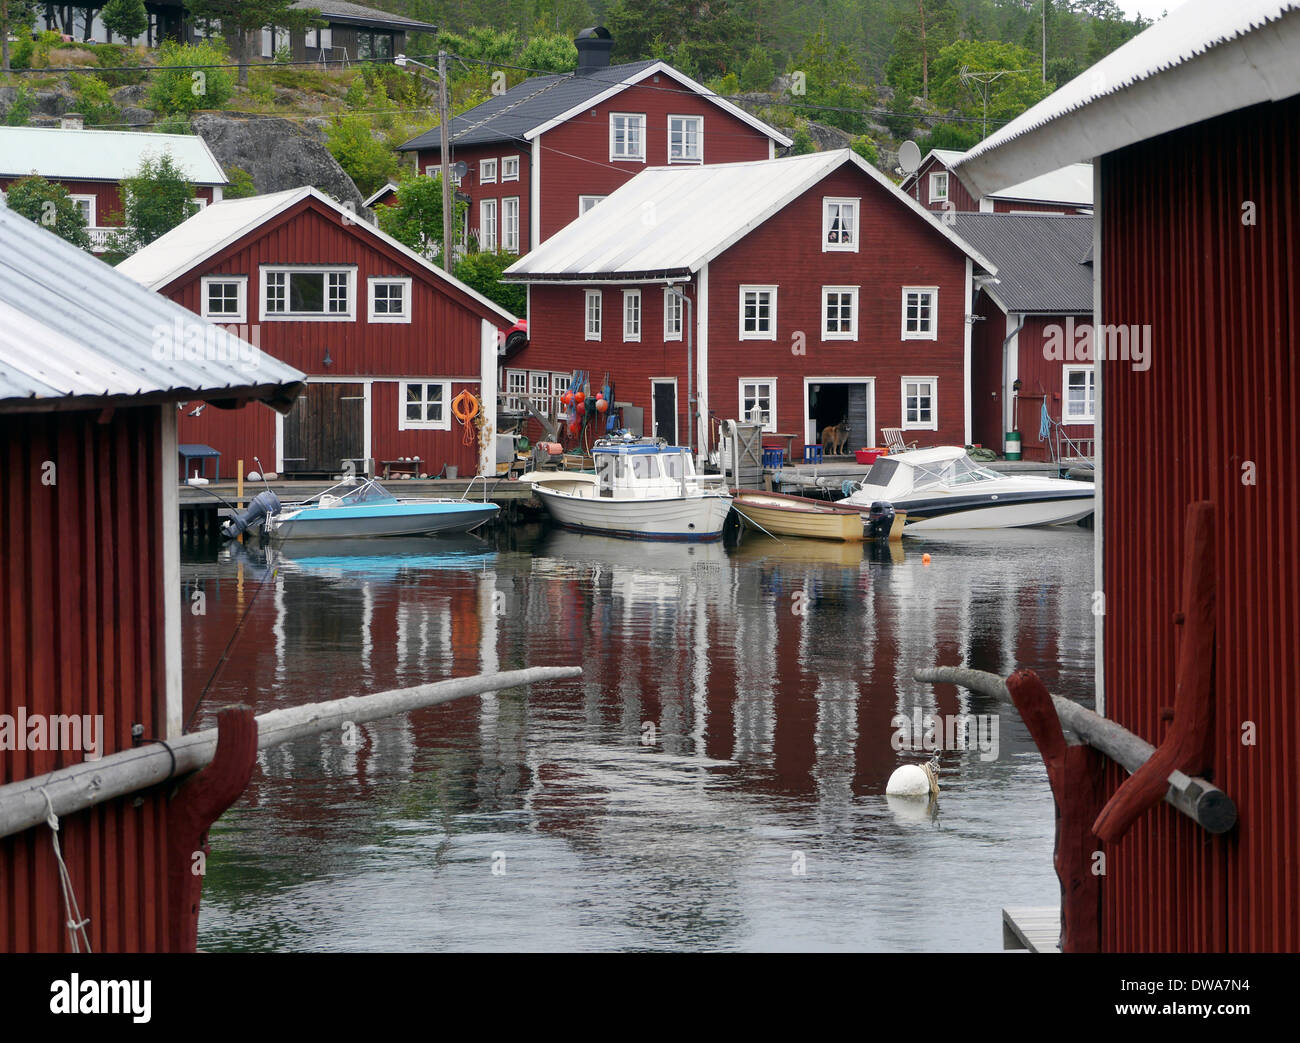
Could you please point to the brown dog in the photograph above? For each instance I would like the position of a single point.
(835, 438)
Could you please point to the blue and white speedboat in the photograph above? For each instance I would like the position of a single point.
(361, 508)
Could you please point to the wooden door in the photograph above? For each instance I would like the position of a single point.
(665, 392)
(325, 428)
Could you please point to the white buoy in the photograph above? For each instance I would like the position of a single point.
(253, 476)
(914, 780)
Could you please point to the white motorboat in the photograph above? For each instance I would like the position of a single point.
(643, 488)
(943, 488)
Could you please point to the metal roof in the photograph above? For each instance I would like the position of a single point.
(1206, 58)
(673, 220)
(219, 225)
(74, 332)
(101, 155)
(356, 14)
(1070, 184)
(1040, 259)
(540, 102)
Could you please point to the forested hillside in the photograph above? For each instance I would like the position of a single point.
(953, 69)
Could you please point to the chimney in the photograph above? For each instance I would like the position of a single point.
(72, 121)
(593, 45)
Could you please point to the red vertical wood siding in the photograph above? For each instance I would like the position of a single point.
(1006, 206)
(441, 342)
(1222, 391)
(108, 197)
(958, 194)
(472, 184)
(1042, 377)
(81, 632)
(897, 249)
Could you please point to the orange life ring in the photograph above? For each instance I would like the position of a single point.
(465, 406)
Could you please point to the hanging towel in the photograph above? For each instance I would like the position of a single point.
(1045, 425)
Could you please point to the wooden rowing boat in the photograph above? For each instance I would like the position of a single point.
(783, 515)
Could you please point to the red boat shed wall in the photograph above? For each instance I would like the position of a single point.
(367, 361)
(1213, 419)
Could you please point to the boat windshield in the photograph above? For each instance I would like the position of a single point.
(962, 471)
(368, 492)
(881, 473)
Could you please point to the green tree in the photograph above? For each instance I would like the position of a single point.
(126, 18)
(549, 52)
(16, 18)
(93, 100)
(832, 78)
(922, 29)
(803, 141)
(50, 206)
(1006, 79)
(482, 271)
(703, 38)
(757, 72)
(245, 19)
(21, 108)
(956, 136)
(866, 148)
(367, 161)
(241, 184)
(158, 198)
(415, 217)
(177, 87)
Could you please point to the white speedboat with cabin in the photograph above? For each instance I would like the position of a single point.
(360, 508)
(943, 488)
(643, 488)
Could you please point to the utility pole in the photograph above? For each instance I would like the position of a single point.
(1045, 2)
(444, 153)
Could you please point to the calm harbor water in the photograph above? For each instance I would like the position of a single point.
(714, 781)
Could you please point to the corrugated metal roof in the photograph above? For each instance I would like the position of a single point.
(101, 155)
(217, 226)
(669, 220)
(519, 113)
(1072, 184)
(356, 14)
(72, 327)
(1038, 257)
(1264, 67)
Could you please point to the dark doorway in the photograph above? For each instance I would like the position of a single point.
(833, 403)
(665, 392)
(325, 428)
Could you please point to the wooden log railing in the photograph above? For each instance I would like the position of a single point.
(23, 804)
(1195, 797)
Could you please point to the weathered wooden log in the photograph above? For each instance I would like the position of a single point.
(23, 804)
(1196, 798)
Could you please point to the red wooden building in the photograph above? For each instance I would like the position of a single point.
(91, 165)
(937, 184)
(547, 150)
(1195, 128)
(388, 339)
(1028, 333)
(814, 292)
(90, 625)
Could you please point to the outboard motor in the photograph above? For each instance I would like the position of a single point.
(880, 519)
(262, 506)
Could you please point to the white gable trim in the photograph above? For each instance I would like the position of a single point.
(661, 67)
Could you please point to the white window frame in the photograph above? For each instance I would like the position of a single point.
(631, 316)
(933, 332)
(628, 157)
(241, 297)
(539, 389)
(319, 39)
(769, 334)
(936, 178)
(559, 385)
(267, 270)
(933, 424)
(517, 395)
(699, 138)
(673, 310)
(509, 168)
(403, 424)
(405, 315)
(770, 426)
(852, 333)
(435, 169)
(486, 242)
(852, 245)
(487, 171)
(1066, 373)
(510, 224)
(92, 220)
(585, 203)
(592, 331)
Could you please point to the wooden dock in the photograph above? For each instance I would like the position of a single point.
(1036, 928)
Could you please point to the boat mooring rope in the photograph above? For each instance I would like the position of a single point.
(76, 923)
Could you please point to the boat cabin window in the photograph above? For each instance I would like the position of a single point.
(676, 465)
(607, 469)
(881, 473)
(645, 467)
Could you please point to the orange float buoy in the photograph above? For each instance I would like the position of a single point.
(925, 559)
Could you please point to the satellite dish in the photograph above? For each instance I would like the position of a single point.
(460, 169)
(909, 156)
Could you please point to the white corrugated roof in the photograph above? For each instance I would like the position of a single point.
(101, 155)
(71, 327)
(1072, 184)
(675, 219)
(217, 226)
(1206, 58)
